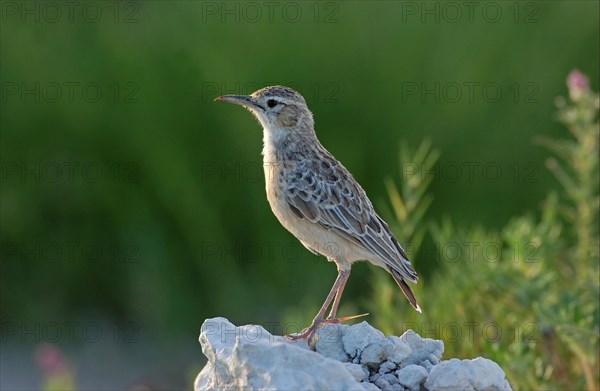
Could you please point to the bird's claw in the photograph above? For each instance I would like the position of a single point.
(301, 335)
(309, 333)
(343, 319)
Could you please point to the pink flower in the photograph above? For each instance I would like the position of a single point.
(578, 84)
(49, 359)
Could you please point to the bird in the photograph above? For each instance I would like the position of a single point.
(318, 200)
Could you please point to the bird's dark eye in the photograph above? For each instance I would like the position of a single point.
(271, 103)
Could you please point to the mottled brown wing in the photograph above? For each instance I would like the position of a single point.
(325, 193)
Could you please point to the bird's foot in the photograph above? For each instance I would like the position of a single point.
(309, 333)
(301, 335)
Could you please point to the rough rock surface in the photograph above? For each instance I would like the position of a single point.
(357, 357)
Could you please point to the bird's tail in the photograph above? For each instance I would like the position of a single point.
(405, 289)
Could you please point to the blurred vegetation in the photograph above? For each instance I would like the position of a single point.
(526, 295)
(179, 213)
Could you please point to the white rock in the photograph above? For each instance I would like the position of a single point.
(357, 371)
(383, 384)
(250, 358)
(390, 378)
(359, 336)
(387, 367)
(427, 364)
(376, 353)
(479, 374)
(330, 343)
(400, 350)
(397, 387)
(412, 376)
(421, 348)
(370, 387)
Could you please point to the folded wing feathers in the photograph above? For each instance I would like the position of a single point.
(347, 211)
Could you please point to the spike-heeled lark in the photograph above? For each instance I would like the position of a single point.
(315, 198)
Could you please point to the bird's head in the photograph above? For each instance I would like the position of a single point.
(279, 109)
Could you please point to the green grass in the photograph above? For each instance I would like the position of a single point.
(525, 295)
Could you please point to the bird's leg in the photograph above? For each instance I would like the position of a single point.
(310, 331)
(338, 295)
(336, 302)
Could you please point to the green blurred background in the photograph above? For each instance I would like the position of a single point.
(132, 201)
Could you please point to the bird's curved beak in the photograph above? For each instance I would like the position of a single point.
(242, 100)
